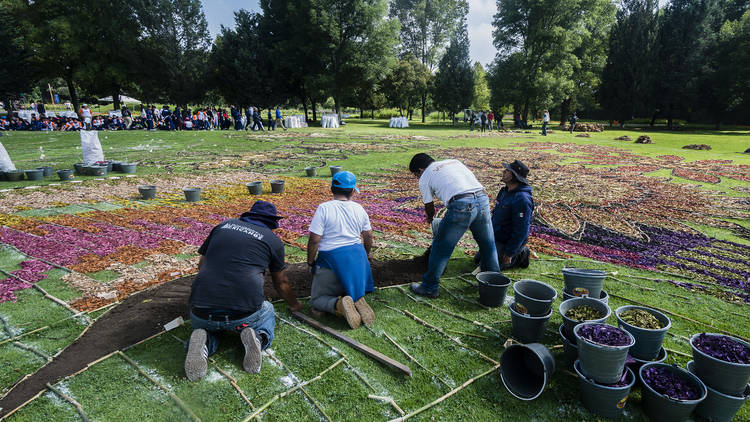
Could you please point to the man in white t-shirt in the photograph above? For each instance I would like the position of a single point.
(468, 208)
(545, 122)
(341, 237)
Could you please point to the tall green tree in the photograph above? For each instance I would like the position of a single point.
(356, 37)
(175, 45)
(595, 20)
(481, 88)
(537, 41)
(426, 28)
(685, 31)
(406, 81)
(626, 80)
(454, 81)
(17, 67)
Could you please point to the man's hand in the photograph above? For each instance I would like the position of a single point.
(296, 307)
(506, 260)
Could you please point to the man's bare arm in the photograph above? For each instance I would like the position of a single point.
(281, 284)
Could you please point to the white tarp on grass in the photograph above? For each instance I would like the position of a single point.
(5, 163)
(91, 147)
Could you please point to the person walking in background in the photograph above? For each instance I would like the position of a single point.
(85, 114)
(249, 119)
(490, 118)
(126, 116)
(483, 119)
(545, 122)
(573, 120)
(257, 121)
(280, 119)
(271, 123)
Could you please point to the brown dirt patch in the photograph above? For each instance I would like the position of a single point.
(144, 314)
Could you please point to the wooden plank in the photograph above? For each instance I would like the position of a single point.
(372, 353)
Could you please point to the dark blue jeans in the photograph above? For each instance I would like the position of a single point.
(472, 213)
(262, 321)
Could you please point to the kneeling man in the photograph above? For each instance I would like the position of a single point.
(511, 218)
(227, 293)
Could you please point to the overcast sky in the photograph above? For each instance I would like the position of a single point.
(221, 12)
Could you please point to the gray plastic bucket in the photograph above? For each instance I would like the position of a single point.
(108, 164)
(66, 174)
(95, 170)
(719, 407)
(311, 171)
(277, 186)
(78, 168)
(127, 168)
(535, 296)
(603, 364)
(570, 348)
(34, 174)
(636, 364)
(583, 280)
(603, 296)
(147, 191)
(603, 399)
(527, 328)
(334, 169)
(116, 165)
(46, 170)
(255, 188)
(192, 194)
(659, 407)
(567, 305)
(14, 175)
(724, 377)
(492, 288)
(647, 342)
(525, 369)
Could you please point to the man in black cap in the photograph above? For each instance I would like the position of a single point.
(227, 293)
(511, 218)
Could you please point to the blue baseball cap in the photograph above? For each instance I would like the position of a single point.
(345, 180)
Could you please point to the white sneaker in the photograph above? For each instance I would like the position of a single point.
(196, 361)
(253, 357)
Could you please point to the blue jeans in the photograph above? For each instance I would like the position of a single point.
(262, 321)
(471, 213)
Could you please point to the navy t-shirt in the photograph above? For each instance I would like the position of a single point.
(236, 254)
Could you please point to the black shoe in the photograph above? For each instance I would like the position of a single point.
(523, 260)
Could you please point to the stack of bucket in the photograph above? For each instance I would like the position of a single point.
(604, 379)
(581, 282)
(726, 383)
(648, 342)
(570, 344)
(531, 309)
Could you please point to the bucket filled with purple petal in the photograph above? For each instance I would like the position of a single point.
(669, 393)
(722, 362)
(602, 351)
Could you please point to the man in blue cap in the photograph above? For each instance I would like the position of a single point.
(227, 293)
(341, 237)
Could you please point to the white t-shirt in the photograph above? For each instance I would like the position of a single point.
(546, 117)
(339, 223)
(446, 179)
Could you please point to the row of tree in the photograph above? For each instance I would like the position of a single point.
(688, 59)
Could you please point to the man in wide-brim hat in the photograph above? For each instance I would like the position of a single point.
(227, 294)
(512, 215)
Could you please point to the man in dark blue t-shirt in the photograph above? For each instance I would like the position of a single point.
(227, 293)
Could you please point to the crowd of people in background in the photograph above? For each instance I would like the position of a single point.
(484, 120)
(149, 118)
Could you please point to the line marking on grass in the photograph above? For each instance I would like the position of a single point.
(70, 400)
(413, 359)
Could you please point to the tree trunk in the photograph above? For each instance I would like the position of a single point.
(361, 112)
(653, 118)
(564, 111)
(424, 105)
(372, 114)
(669, 117)
(73, 93)
(304, 106)
(524, 117)
(116, 99)
(315, 111)
(8, 107)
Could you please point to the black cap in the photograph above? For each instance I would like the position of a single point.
(519, 169)
(262, 209)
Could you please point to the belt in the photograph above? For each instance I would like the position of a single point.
(468, 195)
(211, 315)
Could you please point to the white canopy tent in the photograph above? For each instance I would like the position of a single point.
(123, 99)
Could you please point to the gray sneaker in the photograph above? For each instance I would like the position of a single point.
(253, 357)
(196, 361)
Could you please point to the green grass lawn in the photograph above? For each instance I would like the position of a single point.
(462, 340)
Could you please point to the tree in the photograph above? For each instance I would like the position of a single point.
(481, 88)
(17, 69)
(454, 81)
(537, 40)
(241, 66)
(680, 48)
(406, 81)
(174, 50)
(355, 38)
(426, 28)
(626, 76)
